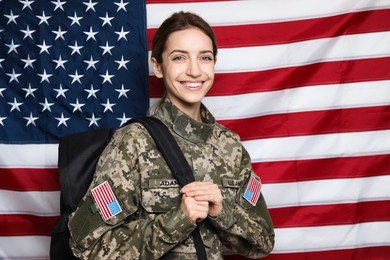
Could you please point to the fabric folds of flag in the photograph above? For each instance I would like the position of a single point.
(306, 84)
(65, 67)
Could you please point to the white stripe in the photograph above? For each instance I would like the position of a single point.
(324, 192)
(310, 98)
(259, 58)
(368, 45)
(28, 155)
(260, 11)
(332, 237)
(286, 148)
(319, 146)
(320, 192)
(362, 94)
(37, 203)
(288, 240)
(25, 247)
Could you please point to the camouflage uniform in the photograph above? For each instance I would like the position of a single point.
(152, 224)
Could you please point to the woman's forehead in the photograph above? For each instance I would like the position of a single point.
(188, 39)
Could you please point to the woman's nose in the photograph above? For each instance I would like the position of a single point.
(194, 68)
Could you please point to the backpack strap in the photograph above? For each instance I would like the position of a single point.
(176, 161)
(167, 145)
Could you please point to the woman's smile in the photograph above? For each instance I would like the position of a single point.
(192, 85)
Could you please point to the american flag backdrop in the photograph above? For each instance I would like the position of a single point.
(65, 66)
(306, 84)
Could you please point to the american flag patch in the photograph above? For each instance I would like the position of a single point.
(252, 191)
(106, 200)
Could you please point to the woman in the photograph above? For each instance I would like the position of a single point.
(157, 216)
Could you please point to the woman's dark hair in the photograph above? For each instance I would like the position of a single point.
(177, 22)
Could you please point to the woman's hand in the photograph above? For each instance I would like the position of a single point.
(205, 192)
(193, 209)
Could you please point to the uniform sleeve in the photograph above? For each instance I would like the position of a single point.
(245, 228)
(131, 231)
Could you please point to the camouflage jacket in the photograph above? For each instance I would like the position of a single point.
(150, 223)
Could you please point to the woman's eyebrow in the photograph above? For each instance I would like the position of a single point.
(176, 50)
(186, 52)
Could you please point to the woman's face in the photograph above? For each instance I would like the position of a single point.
(187, 68)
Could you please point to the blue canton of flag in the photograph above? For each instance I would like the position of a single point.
(114, 207)
(70, 66)
(252, 191)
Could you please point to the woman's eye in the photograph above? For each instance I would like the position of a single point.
(207, 58)
(178, 58)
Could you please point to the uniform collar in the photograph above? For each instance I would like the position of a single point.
(185, 126)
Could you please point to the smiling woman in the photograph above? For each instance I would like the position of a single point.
(178, 22)
(187, 68)
(157, 216)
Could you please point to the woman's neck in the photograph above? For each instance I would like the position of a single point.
(192, 110)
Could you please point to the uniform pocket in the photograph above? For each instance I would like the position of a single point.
(160, 195)
(88, 223)
(230, 186)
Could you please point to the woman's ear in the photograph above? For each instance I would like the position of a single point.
(156, 68)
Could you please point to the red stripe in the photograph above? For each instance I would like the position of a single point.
(353, 213)
(311, 123)
(26, 225)
(365, 253)
(25, 179)
(340, 214)
(320, 169)
(346, 71)
(335, 214)
(357, 119)
(301, 30)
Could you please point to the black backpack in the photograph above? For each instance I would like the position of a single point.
(77, 158)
